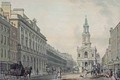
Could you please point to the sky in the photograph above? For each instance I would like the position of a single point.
(61, 21)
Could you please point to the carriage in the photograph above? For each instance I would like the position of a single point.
(17, 69)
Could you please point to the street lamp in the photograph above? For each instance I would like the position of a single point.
(9, 60)
(95, 56)
(113, 65)
(117, 59)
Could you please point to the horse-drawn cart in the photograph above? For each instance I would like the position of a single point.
(18, 70)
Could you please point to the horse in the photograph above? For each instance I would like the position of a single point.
(28, 71)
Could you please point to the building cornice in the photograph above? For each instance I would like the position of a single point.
(4, 21)
(19, 17)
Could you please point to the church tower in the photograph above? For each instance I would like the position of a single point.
(86, 58)
(86, 35)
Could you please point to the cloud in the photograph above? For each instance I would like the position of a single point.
(108, 8)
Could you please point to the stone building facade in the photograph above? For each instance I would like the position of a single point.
(55, 60)
(33, 50)
(113, 50)
(13, 44)
(22, 40)
(12, 32)
(4, 43)
(26, 40)
(87, 55)
(69, 62)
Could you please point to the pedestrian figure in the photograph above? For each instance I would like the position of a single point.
(21, 68)
(28, 71)
(81, 75)
(57, 74)
(85, 72)
(111, 76)
(118, 74)
(37, 71)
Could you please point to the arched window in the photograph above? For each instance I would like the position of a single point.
(85, 55)
(92, 55)
(78, 55)
(24, 58)
(28, 60)
(86, 64)
(34, 63)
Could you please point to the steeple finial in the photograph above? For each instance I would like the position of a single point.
(86, 20)
(86, 26)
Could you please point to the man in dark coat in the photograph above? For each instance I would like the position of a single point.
(118, 74)
(21, 68)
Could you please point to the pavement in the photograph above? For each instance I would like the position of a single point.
(83, 77)
(71, 76)
(68, 76)
(94, 79)
(44, 77)
(35, 77)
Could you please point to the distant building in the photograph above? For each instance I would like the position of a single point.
(54, 59)
(69, 60)
(115, 47)
(105, 60)
(87, 55)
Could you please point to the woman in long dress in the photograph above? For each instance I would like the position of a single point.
(111, 76)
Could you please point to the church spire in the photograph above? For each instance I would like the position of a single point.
(86, 26)
(86, 34)
(86, 23)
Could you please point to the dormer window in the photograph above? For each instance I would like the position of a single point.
(86, 64)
